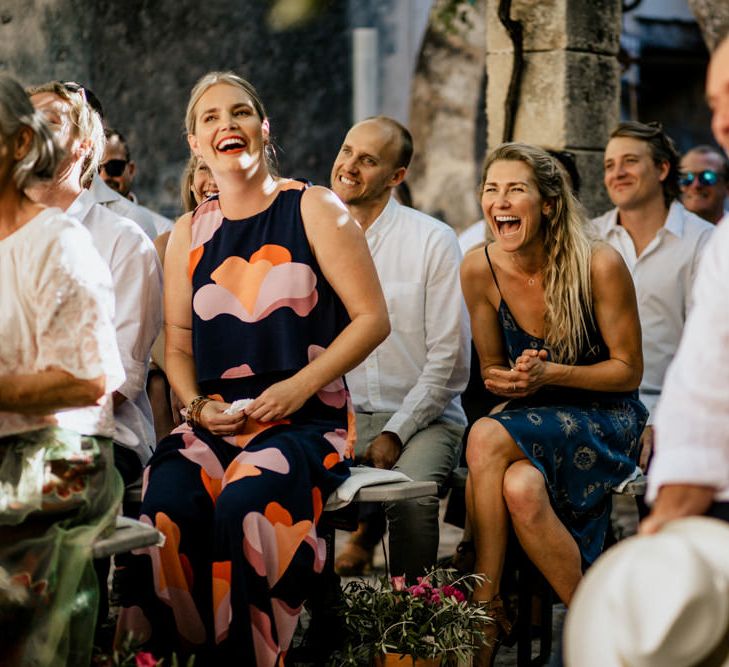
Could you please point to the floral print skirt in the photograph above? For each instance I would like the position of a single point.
(58, 491)
(241, 552)
(584, 445)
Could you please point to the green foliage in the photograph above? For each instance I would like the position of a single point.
(130, 655)
(428, 620)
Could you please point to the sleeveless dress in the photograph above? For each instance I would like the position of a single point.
(583, 442)
(240, 513)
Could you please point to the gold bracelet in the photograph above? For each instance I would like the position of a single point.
(194, 409)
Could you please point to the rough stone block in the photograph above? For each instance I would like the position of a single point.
(560, 103)
(559, 24)
(592, 193)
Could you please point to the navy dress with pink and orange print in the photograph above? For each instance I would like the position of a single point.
(240, 513)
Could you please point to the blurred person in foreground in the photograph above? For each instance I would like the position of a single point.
(58, 366)
(690, 470)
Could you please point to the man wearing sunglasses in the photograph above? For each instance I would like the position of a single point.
(117, 170)
(660, 241)
(704, 184)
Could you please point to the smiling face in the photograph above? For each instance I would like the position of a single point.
(512, 205)
(632, 177)
(704, 200)
(115, 150)
(229, 135)
(203, 183)
(364, 170)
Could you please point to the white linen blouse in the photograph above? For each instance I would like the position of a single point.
(56, 312)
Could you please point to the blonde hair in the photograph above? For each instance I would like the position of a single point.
(86, 121)
(567, 286)
(16, 111)
(186, 196)
(231, 79)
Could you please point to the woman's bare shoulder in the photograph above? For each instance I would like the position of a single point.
(606, 260)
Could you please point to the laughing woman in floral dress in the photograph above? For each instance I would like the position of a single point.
(271, 296)
(555, 323)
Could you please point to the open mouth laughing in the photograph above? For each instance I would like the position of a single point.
(507, 225)
(231, 144)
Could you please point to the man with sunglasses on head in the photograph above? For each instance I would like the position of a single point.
(117, 169)
(660, 241)
(704, 181)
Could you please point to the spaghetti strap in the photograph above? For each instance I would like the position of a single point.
(493, 273)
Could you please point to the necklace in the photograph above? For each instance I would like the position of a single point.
(531, 280)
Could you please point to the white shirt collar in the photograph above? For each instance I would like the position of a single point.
(387, 215)
(81, 206)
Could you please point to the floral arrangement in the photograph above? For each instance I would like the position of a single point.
(130, 655)
(430, 620)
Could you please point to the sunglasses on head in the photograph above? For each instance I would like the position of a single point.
(113, 168)
(706, 177)
(87, 95)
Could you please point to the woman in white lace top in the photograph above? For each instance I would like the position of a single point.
(58, 367)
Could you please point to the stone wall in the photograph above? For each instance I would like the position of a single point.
(569, 45)
(141, 58)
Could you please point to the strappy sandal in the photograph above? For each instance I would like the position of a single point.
(501, 630)
(354, 560)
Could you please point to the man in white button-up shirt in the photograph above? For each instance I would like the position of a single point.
(130, 254)
(660, 241)
(135, 272)
(406, 393)
(690, 471)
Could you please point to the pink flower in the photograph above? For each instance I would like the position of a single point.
(453, 592)
(144, 659)
(418, 591)
(398, 583)
(423, 581)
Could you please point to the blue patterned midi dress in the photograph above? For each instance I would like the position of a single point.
(583, 442)
(240, 513)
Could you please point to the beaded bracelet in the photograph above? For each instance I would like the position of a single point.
(192, 418)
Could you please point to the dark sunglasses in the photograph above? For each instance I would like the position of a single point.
(113, 168)
(706, 177)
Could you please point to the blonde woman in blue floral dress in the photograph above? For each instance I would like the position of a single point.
(555, 323)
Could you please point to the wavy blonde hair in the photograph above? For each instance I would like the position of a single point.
(86, 120)
(567, 286)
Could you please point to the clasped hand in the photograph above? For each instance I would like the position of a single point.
(525, 378)
(276, 402)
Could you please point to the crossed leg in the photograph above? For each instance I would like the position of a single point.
(503, 484)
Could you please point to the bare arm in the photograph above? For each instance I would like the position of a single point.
(616, 315)
(48, 391)
(480, 292)
(342, 253)
(179, 361)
